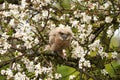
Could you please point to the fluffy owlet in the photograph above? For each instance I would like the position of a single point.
(59, 39)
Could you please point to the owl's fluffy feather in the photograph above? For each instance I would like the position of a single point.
(60, 38)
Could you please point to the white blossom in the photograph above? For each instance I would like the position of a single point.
(18, 46)
(104, 72)
(15, 13)
(86, 18)
(77, 14)
(43, 24)
(20, 76)
(89, 29)
(80, 64)
(3, 72)
(61, 25)
(71, 77)
(114, 54)
(6, 14)
(40, 79)
(103, 54)
(5, 36)
(2, 51)
(58, 76)
(79, 0)
(17, 53)
(44, 13)
(38, 69)
(94, 45)
(51, 75)
(48, 1)
(95, 18)
(108, 19)
(75, 23)
(87, 63)
(46, 70)
(82, 59)
(92, 5)
(12, 22)
(107, 4)
(3, 5)
(36, 58)
(13, 6)
(36, 17)
(91, 37)
(78, 52)
(28, 44)
(23, 4)
(100, 49)
(16, 66)
(30, 66)
(6, 45)
(7, 72)
(110, 31)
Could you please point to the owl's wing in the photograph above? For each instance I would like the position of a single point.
(51, 39)
(52, 36)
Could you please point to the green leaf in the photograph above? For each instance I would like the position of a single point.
(66, 4)
(66, 71)
(112, 68)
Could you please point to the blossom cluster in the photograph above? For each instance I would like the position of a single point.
(35, 69)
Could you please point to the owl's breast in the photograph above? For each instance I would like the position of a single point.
(61, 44)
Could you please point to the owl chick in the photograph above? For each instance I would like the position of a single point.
(59, 39)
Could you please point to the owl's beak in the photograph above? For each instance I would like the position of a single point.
(64, 36)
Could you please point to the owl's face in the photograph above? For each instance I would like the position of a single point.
(63, 35)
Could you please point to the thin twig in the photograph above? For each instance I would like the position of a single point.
(3, 63)
(86, 73)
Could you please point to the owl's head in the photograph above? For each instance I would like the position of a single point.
(64, 33)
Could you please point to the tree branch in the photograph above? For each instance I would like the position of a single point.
(4, 63)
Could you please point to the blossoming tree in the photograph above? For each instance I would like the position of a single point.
(24, 29)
